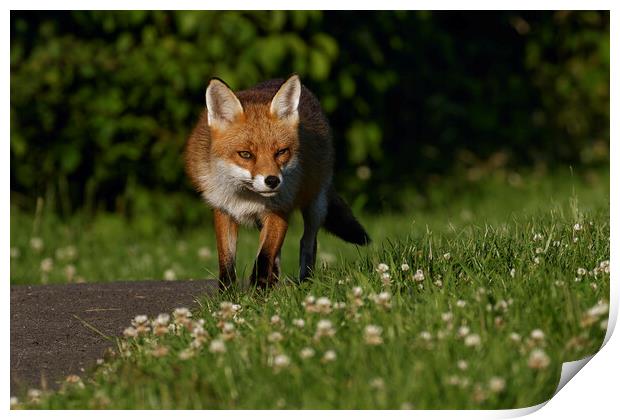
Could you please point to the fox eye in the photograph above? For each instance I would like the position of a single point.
(245, 154)
(281, 152)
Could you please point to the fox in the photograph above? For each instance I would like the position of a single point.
(258, 155)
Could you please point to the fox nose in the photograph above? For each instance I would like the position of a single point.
(272, 181)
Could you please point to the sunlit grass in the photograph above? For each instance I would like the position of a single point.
(447, 309)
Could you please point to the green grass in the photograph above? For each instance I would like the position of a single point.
(486, 234)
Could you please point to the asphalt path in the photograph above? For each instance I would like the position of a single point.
(58, 330)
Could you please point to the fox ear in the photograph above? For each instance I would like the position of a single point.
(222, 105)
(285, 102)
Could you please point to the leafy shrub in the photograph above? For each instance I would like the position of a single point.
(102, 102)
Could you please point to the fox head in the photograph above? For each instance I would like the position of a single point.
(254, 145)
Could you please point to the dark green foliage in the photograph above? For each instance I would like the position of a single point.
(102, 102)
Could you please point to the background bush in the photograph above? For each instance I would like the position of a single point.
(102, 102)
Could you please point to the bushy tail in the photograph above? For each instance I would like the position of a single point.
(341, 222)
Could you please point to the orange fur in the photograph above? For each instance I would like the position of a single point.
(226, 230)
(275, 129)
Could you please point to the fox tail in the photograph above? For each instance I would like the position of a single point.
(341, 222)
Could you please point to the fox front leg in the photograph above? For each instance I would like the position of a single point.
(226, 229)
(267, 265)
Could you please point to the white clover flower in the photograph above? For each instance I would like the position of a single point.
(326, 258)
(323, 305)
(306, 353)
(599, 309)
(386, 279)
(377, 383)
(539, 250)
(340, 305)
(186, 354)
(15, 253)
(538, 237)
(447, 316)
(512, 272)
(556, 243)
(577, 227)
(497, 384)
(170, 275)
(47, 265)
(74, 380)
(604, 266)
(581, 271)
(181, 313)
(204, 253)
(36, 244)
(275, 337)
(160, 324)
(139, 320)
(324, 329)
(160, 351)
(276, 320)
(514, 337)
(462, 364)
(228, 310)
(300, 323)
(383, 299)
(34, 395)
(538, 359)
(383, 268)
(281, 361)
(453, 380)
(329, 356)
(536, 260)
(418, 276)
(372, 335)
(357, 292)
(70, 253)
(461, 303)
(472, 340)
(199, 335)
(463, 331)
(501, 305)
(404, 267)
(446, 256)
(309, 304)
(537, 334)
(228, 331)
(70, 271)
(162, 319)
(130, 332)
(217, 346)
(425, 335)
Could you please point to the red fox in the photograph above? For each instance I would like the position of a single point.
(255, 157)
